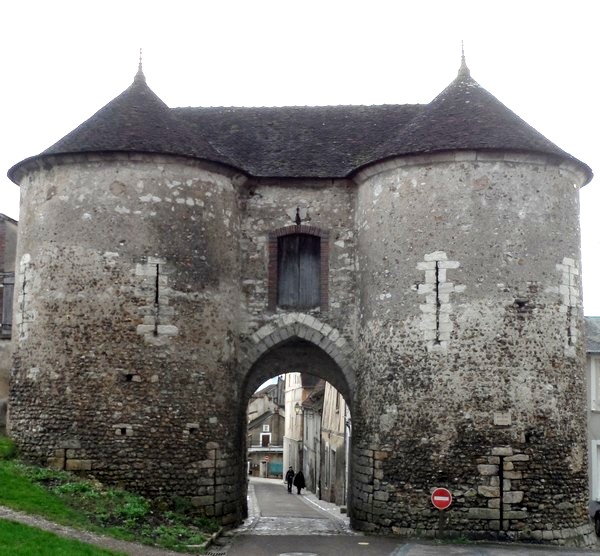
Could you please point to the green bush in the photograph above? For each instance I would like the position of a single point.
(177, 537)
(45, 474)
(134, 507)
(77, 487)
(8, 450)
(206, 524)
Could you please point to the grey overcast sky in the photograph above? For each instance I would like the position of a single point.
(63, 60)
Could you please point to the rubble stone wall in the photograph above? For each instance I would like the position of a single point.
(128, 296)
(452, 324)
(471, 356)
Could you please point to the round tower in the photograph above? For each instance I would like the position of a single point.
(471, 339)
(127, 288)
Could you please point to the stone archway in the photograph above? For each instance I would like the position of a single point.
(295, 342)
(280, 343)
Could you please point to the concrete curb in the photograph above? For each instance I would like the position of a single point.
(206, 545)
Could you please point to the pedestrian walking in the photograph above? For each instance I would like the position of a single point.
(289, 478)
(299, 481)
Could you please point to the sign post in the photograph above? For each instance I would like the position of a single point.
(441, 498)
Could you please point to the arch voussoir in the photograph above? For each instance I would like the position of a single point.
(303, 327)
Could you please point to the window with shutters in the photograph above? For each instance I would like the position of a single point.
(298, 268)
(8, 284)
(298, 271)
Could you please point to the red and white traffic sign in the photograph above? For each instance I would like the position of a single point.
(441, 498)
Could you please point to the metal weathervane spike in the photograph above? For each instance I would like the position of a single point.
(464, 70)
(139, 76)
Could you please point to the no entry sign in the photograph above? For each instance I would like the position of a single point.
(441, 498)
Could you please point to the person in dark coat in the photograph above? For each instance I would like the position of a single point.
(299, 481)
(289, 478)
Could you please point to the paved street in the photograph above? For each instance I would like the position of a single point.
(283, 524)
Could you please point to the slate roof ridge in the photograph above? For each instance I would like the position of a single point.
(299, 142)
(292, 106)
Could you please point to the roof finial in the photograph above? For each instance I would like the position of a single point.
(139, 76)
(464, 70)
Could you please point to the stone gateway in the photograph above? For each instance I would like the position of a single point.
(424, 259)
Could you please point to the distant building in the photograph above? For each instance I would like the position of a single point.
(8, 250)
(335, 428)
(326, 440)
(266, 424)
(292, 441)
(592, 325)
(298, 386)
(312, 409)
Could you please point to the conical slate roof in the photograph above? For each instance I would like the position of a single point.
(136, 121)
(464, 116)
(307, 141)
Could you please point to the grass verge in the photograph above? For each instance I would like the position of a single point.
(87, 504)
(21, 540)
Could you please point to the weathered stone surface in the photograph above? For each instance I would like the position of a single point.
(56, 463)
(487, 469)
(494, 503)
(513, 497)
(443, 290)
(515, 514)
(199, 501)
(483, 513)
(502, 451)
(518, 457)
(78, 465)
(489, 491)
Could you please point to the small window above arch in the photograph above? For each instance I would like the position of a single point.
(298, 271)
(298, 268)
